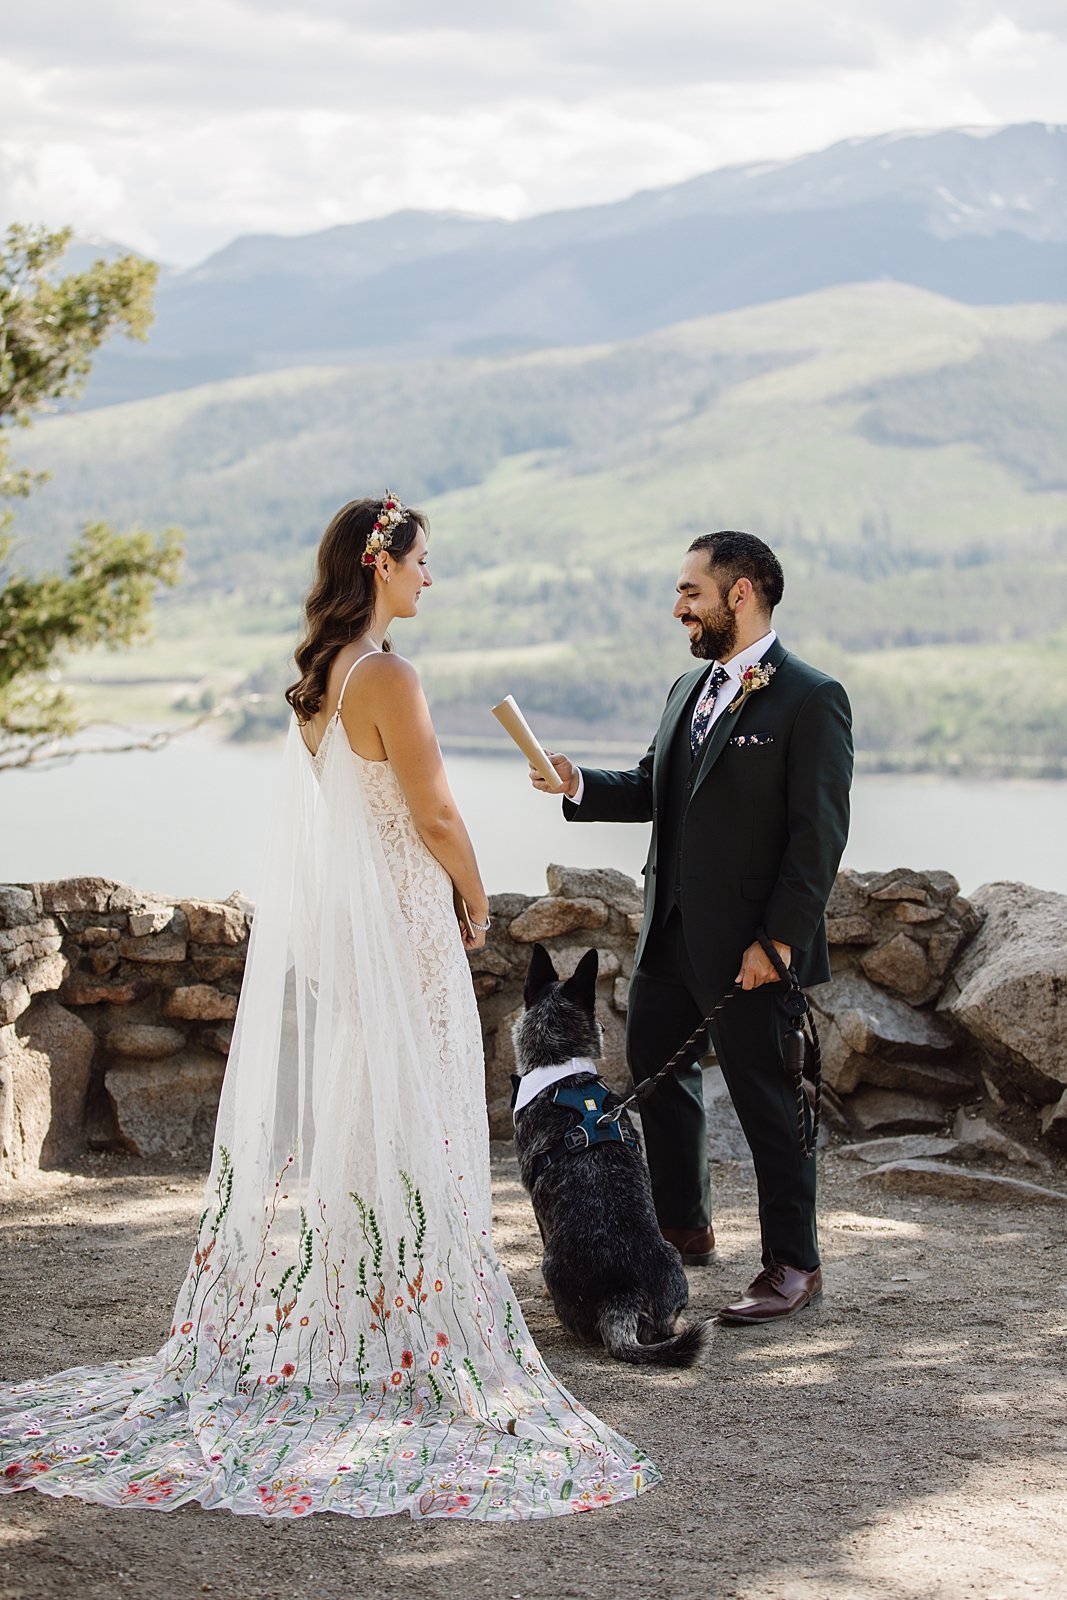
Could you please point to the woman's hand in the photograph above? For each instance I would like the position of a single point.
(473, 938)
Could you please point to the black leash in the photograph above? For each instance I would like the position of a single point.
(803, 1055)
(648, 1085)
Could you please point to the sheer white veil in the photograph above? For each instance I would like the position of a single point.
(330, 1092)
(345, 1338)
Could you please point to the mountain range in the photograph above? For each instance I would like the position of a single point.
(977, 215)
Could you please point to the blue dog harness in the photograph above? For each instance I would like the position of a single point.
(591, 1099)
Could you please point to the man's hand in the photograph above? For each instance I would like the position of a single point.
(567, 771)
(757, 968)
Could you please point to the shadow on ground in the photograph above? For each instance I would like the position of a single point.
(905, 1439)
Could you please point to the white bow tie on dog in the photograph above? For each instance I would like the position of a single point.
(532, 1083)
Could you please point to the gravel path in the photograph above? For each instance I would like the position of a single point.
(907, 1439)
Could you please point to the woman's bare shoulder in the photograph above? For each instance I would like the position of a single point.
(387, 670)
(383, 683)
(364, 655)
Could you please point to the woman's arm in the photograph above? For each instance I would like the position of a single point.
(391, 692)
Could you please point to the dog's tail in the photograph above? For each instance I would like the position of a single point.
(618, 1322)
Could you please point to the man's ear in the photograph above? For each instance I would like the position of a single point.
(540, 974)
(581, 985)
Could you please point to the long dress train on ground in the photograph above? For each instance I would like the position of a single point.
(345, 1338)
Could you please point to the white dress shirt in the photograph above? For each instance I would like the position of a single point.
(728, 693)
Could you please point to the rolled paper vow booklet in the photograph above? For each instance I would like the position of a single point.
(511, 718)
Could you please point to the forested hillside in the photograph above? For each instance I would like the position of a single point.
(904, 453)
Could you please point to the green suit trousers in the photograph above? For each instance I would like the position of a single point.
(663, 1010)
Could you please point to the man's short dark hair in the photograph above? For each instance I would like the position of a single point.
(734, 555)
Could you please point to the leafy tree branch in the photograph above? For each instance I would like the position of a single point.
(50, 328)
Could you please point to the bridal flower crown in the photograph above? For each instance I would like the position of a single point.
(389, 519)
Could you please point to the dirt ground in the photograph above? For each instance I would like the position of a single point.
(907, 1439)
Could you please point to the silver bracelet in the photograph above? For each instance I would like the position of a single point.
(480, 927)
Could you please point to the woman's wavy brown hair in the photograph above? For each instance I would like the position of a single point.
(340, 602)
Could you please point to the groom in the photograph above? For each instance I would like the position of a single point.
(746, 785)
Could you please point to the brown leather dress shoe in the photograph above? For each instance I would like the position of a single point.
(777, 1292)
(696, 1246)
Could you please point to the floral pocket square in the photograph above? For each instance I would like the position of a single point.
(752, 740)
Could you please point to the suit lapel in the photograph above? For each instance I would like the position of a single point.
(723, 727)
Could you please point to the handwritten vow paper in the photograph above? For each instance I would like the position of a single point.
(512, 720)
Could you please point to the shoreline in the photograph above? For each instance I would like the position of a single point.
(869, 764)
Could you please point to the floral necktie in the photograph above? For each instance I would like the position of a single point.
(706, 705)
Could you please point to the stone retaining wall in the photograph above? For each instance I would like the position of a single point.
(116, 1007)
(115, 1013)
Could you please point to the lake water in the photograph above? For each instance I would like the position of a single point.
(191, 819)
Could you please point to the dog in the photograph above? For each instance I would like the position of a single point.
(611, 1275)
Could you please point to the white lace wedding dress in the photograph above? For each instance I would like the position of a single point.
(345, 1338)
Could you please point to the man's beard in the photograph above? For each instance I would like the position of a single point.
(717, 639)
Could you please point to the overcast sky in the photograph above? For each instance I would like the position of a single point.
(174, 126)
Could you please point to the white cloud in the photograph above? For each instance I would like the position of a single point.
(175, 128)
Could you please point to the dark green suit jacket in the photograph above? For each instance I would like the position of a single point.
(751, 832)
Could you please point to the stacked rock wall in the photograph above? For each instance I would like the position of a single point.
(891, 1062)
(116, 1007)
(128, 1046)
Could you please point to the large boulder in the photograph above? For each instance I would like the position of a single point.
(1007, 992)
(168, 1108)
(45, 1068)
(869, 1036)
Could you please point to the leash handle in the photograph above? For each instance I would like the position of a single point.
(786, 974)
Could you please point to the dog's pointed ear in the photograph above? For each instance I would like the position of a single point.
(541, 973)
(581, 985)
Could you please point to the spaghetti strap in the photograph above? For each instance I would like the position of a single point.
(348, 674)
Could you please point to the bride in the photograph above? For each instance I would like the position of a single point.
(345, 1338)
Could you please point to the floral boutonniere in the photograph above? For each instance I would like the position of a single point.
(752, 678)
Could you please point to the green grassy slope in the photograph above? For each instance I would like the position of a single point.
(903, 453)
